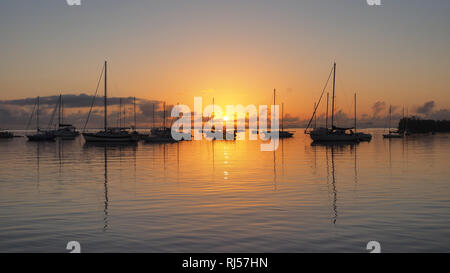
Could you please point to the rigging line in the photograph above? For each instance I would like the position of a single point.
(50, 123)
(31, 117)
(93, 99)
(317, 105)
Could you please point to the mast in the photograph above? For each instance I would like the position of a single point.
(274, 93)
(153, 118)
(282, 116)
(326, 117)
(332, 103)
(37, 115)
(60, 111)
(164, 115)
(105, 99)
(355, 112)
(406, 120)
(134, 109)
(120, 112)
(315, 117)
(213, 127)
(390, 111)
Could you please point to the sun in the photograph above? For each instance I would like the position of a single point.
(225, 118)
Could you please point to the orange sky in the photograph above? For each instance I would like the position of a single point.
(235, 51)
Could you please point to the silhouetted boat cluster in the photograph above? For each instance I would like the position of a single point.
(163, 134)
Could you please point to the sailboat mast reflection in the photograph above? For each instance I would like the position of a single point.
(38, 165)
(333, 184)
(105, 218)
(274, 169)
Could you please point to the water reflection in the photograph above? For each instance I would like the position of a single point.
(105, 218)
(105, 147)
(124, 198)
(333, 148)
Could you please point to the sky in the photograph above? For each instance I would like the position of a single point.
(236, 51)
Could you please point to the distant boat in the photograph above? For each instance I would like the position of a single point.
(110, 134)
(364, 136)
(5, 134)
(134, 128)
(361, 136)
(281, 133)
(391, 133)
(333, 134)
(40, 135)
(160, 134)
(64, 131)
(226, 134)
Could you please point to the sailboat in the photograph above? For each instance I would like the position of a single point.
(5, 134)
(333, 134)
(226, 134)
(391, 133)
(134, 128)
(40, 135)
(110, 134)
(160, 134)
(361, 136)
(64, 131)
(281, 133)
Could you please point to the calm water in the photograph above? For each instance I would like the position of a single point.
(203, 196)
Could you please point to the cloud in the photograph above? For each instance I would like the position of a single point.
(426, 108)
(74, 101)
(442, 114)
(14, 114)
(377, 107)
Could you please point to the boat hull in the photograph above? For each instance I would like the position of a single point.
(334, 138)
(6, 135)
(41, 137)
(88, 137)
(364, 137)
(392, 136)
(66, 135)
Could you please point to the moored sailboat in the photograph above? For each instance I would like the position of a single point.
(110, 134)
(391, 133)
(281, 133)
(333, 134)
(40, 135)
(223, 133)
(64, 131)
(361, 136)
(5, 134)
(160, 134)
